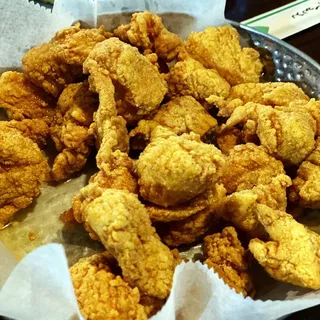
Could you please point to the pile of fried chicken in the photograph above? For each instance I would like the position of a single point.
(214, 157)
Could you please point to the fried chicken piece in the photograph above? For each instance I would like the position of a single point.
(219, 48)
(247, 166)
(116, 168)
(37, 130)
(227, 139)
(287, 133)
(118, 173)
(175, 169)
(190, 77)
(55, 64)
(138, 83)
(292, 255)
(151, 305)
(147, 32)
(109, 129)
(180, 115)
(22, 170)
(226, 256)
(191, 229)
(306, 186)
(23, 100)
(312, 107)
(240, 207)
(70, 129)
(182, 211)
(177, 233)
(269, 94)
(102, 295)
(152, 57)
(124, 227)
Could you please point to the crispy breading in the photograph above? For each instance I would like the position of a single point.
(193, 228)
(240, 207)
(180, 115)
(55, 64)
(146, 31)
(227, 139)
(312, 107)
(190, 77)
(113, 143)
(108, 128)
(151, 305)
(287, 133)
(125, 230)
(142, 85)
(268, 93)
(35, 129)
(247, 166)
(292, 255)
(176, 169)
(219, 48)
(70, 129)
(306, 186)
(22, 170)
(118, 173)
(23, 100)
(102, 295)
(226, 255)
(182, 211)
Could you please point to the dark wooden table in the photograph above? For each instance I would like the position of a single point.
(307, 41)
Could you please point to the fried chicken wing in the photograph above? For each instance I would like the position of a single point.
(35, 129)
(226, 256)
(219, 48)
(102, 295)
(23, 100)
(306, 186)
(190, 77)
(240, 207)
(176, 169)
(269, 94)
(247, 166)
(22, 170)
(70, 129)
(139, 84)
(292, 255)
(146, 31)
(123, 226)
(180, 115)
(55, 64)
(287, 133)
(193, 228)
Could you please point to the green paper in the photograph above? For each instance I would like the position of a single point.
(263, 29)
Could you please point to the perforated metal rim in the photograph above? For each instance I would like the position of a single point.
(290, 63)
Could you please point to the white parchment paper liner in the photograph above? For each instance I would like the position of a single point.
(40, 286)
(23, 25)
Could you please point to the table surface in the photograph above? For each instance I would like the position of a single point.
(307, 41)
